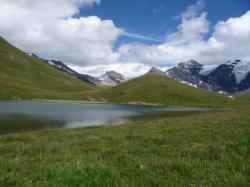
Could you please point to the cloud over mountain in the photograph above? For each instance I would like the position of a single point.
(55, 29)
(189, 42)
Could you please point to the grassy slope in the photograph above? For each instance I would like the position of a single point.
(27, 77)
(162, 90)
(209, 149)
(243, 98)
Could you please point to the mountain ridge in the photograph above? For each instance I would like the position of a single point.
(226, 77)
(159, 90)
(27, 77)
(156, 71)
(108, 79)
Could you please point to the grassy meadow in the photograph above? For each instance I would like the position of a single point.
(193, 149)
(243, 98)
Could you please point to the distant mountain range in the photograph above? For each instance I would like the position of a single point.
(29, 77)
(62, 67)
(229, 77)
(108, 79)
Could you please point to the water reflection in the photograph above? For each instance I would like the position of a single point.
(22, 116)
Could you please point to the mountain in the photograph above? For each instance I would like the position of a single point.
(230, 77)
(155, 71)
(188, 72)
(109, 79)
(159, 90)
(62, 67)
(25, 76)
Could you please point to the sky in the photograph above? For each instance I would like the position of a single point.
(94, 36)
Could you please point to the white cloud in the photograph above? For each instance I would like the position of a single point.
(181, 45)
(190, 30)
(51, 29)
(194, 25)
(230, 39)
(130, 70)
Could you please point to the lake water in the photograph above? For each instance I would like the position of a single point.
(19, 116)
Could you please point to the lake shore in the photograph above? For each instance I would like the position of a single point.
(101, 102)
(165, 151)
(27, 115)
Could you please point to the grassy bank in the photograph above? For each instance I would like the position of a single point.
(243, 98)
(206, 149)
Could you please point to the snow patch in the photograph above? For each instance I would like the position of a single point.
(241, 70)
(165, 68)
(193, 85)
(207, 69)
(51, 63)
(222, 92)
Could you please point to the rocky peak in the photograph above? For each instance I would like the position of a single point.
(109, 79)
(155, 71)
(191, 64)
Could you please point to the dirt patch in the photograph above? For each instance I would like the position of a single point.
(144, 103)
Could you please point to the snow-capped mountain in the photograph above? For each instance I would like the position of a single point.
(56, 64)
(110, 79)
(62, 67)
(230, 77)
(156, 71)
(188, 72)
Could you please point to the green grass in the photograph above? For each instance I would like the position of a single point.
(160, 90)
(243, 98)
(26, 77)
(208, 149)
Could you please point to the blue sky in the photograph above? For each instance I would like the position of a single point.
(156, 18)
(128, 36)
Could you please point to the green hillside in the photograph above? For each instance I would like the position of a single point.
(24, 76)
(160, 90)
(27, 77)
(243, 98)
